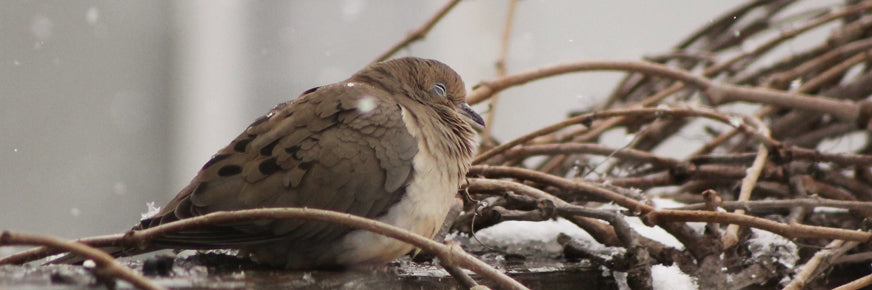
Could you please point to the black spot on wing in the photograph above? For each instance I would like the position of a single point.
(241, 144)
(309, 91)
(268, 166)
(293, 150)
(229, 170)
(306, 165)
(267, 150)
(215, 159)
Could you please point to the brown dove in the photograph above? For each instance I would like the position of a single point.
(391, 143)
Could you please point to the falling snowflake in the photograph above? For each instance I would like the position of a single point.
(366, 104)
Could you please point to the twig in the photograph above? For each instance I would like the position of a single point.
(821, 258)
(730, 237)
(501, 68)
(106, 265)
(861, 283)
(587, 148)
(460, 276)
(418, 33)
(762, 205)
(42, 252)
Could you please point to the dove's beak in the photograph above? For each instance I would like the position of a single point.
(471, 115)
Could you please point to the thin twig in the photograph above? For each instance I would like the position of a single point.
(106, 265)
(861, 283)
(833, 249)
(460, 276)
(731, 236)
(418, 33)
(762, 205)
(501, 69)
(42, 252)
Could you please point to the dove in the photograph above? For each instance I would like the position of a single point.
(392, 143)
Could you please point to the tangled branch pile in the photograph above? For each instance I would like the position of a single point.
(767, 158)
(754, 118)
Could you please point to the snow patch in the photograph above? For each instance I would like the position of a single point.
(671, 278)
(517, 232)
(766, 245)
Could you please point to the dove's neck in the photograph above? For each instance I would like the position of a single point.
(451, 142)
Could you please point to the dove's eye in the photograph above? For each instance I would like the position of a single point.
(438, 89)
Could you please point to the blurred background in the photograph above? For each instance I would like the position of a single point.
(108, 105)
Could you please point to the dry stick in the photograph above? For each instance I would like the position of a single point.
(522, 152)
(699, 56)
(501, 69)
(106, 265)
(855, 258)
(762, 205)
(786, 230)
(418, 33)
(844, 110)
(834, 248)
(730, 237)
(460, 276)
(42, 252)
(450, 254)
(857, 284)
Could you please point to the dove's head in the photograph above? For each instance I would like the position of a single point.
(425, 81)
